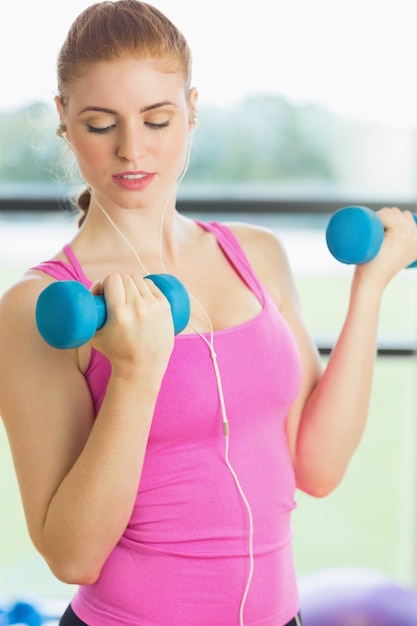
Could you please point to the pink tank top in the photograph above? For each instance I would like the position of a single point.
(183, 558)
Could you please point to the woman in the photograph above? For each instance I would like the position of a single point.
(158, 472)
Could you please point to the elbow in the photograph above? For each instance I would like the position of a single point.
(76, 562)
(74, 573)
(318, 491)
(319, 486)
(76, 569)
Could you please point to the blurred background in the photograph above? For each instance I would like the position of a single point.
(305, 107)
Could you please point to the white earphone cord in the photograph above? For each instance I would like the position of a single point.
(210, 344)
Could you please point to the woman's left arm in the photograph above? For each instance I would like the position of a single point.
(326, 426)
(326, 422)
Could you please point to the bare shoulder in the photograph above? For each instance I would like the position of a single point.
(18, 302)
(30, 370)
(17, 309)
(27, 361)
(267, 255)
(253, 236)
(27, 287)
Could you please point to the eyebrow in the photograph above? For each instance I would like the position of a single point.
(150, 107)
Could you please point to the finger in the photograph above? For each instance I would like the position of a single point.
(390, 216)
(114, 291)
(96, 288)
(410, 217)
(146, 287)
(137, 289)
(143, 297)
(154, 289)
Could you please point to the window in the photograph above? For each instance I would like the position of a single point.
(298, 100)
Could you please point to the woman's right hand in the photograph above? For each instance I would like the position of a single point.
(138, 336)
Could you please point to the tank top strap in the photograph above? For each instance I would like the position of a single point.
(62, 270)
(236, 256)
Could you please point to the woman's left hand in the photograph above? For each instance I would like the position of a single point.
(398, 249)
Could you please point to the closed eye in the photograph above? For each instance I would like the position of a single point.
(155, 126)
(100, 130)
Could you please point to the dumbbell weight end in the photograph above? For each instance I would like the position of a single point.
(355, 234)
(68, 315)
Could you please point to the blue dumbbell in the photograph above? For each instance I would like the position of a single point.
(68, 315)
(22, 613)
(355, 234)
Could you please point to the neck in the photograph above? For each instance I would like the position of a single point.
(146, 234)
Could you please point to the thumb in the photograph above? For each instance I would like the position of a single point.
(96, 288)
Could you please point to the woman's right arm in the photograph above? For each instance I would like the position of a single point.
(78, 475)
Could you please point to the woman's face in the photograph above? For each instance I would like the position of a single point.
(128, 123)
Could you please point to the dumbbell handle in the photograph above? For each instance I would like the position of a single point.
(68, 315)
(355, 234)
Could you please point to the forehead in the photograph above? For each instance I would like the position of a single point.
(124, 83)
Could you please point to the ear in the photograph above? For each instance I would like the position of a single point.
(61, 130)
(59, 106)
(192, 104)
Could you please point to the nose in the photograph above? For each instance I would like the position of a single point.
(130, 146)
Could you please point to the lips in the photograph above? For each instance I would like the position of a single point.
(133, 181)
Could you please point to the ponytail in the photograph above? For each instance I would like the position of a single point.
(83, 202)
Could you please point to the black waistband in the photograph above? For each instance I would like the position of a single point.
(70, 619)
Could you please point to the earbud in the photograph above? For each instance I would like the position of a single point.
(61, 131)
